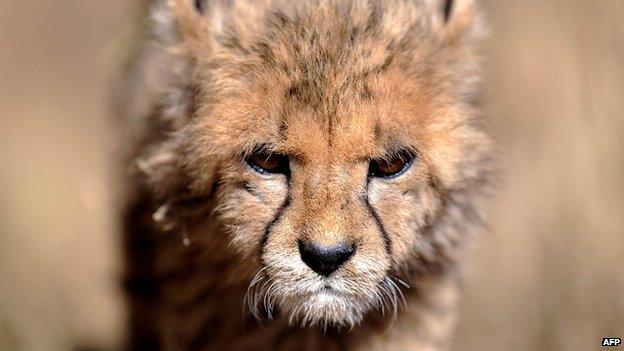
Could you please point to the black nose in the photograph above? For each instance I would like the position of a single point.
(325, 259)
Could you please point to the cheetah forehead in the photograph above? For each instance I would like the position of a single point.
(319, 40)
(352, 66)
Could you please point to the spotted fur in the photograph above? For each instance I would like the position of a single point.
(212, 261)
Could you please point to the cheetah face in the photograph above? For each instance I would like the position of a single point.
(338, 143)
(333, 204)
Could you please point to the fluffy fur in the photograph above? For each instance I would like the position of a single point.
(211, 245)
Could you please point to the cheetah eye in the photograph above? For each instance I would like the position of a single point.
(391, 166)
(267, 162)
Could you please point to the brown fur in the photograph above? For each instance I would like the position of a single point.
(211, 245)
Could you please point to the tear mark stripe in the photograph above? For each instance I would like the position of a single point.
(276, 218)
(373, 213)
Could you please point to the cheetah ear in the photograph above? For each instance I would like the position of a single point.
(447, 9)
(453, 20)
(188, 18)
(199, 6)
(458, 26)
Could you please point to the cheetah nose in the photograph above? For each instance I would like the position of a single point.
(325, 259)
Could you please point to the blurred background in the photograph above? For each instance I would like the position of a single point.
(548, 276)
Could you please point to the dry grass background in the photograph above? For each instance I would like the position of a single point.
(549, 275)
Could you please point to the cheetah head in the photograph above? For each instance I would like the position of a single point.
(338, 141)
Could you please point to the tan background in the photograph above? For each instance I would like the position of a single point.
(549, 276)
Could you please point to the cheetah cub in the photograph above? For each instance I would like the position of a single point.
(299, 175)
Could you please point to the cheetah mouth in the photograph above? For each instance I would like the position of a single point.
(328, 303)
(328, 306)
(326, 292)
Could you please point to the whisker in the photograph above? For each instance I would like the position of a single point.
(400, 293)
(392, 296)
(268, 300)
(402, 283)
(255, 291)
